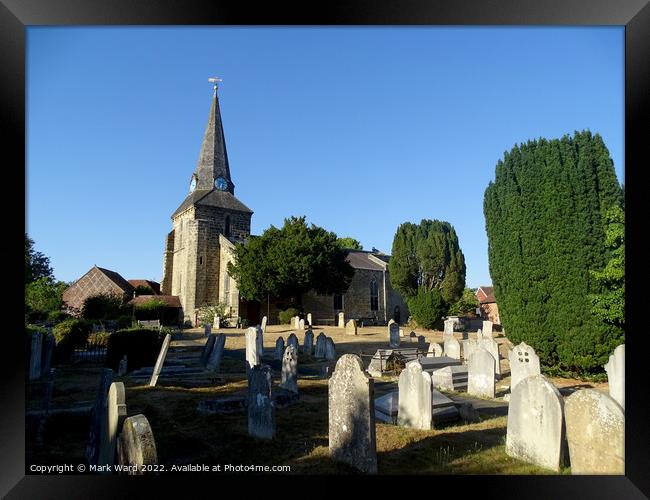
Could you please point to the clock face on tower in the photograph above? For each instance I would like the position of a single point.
(221, 184)
(193, 184)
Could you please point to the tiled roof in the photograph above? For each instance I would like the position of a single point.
(169, 300)
(212, 198)
(117, 279)
(489, 292)
(151, 284)
(358, 259)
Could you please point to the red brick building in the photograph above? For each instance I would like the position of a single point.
(488, 304)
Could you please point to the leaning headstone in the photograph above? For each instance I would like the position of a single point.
(293, 340)
(115, 415)
(351, 327)
(490, 345)
(290, 369)
(595, 431)
(301, 324)
(330, 351)
(35, 356)
(261, 410)
(452, 348)
(319, 351)
(214, 360)
(207, 329)
(122, 367)
(615, 369)
(308, 342)
(309, 319)
(341, 317)
(279, 348)
(48, 350)
(352, 415)
(435, 351)
(414, 409)
(207, 349)
(535, 431)
(98, 418)
(523, 363)
(136, 447)
(480, 374)
(253, 356)
(159, 362)
(393, 334)
(264, 321)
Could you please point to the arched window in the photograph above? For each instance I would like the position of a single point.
(374, 295)
(227, 229)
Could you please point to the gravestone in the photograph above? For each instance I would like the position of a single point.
(122, 367)
(435, 351)
(449, 328)
(390, 323)
(480, 374)
(535, 431)
(341, 317)
(422, 343)
(490, 345)
(479, 334)
(49, 343)
(595, 431)
(487, 329)
(207, 349)
(351, 327)
(261, 410)
(99, 418)
(290, 369)
(309, 319)
(293, 340)
(214, 360)
(216, 322)
(469, 346)
(160, 361)
(253, 356)
(296, 322)
(452, 348)
(35, 356)
(301, 324)
(401, 333)
(259, 340)
(136, 446)
(330, 351)
(615, 369)
(352, 415)
(207, 329)
(449, 378)
(413, 337)
(319, 351)
(264, 321)
(523, 363)
(393, 334)
(414, 409)
(279, 348)
(115, 415)
(308, 342)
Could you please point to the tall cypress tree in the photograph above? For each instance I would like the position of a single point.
(545, 226)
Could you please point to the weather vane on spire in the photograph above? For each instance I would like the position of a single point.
(215, 80)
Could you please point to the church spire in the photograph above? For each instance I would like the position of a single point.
(212, 169)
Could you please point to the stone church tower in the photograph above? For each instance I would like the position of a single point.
(205, 226)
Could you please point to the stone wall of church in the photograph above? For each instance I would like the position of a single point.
(168, 265)
(228, 292)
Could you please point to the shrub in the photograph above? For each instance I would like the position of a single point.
(99, 338)
(427, 308)
(103, 306)
(124, 322)
(57, 316)
(140, 345)
(151, 309)
(466, 304)
(206, 313)
(143, 290)
(286, 315)
(69, 334)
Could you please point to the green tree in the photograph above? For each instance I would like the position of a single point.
(427, 307)
(290, 261)
(427, 256)
(44, 295)
(609, 304)
(466, 304)
(350, 243)
(37, 265)
(103, 306)
(544, 222)
(143, 290)
(207, 313)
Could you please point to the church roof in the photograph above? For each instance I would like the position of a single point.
(212, 198)
(359, 259)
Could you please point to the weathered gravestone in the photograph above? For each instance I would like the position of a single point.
(261, 410)
(341, 317)
(290, 369)
(390, 322)
(595, 431)
(99, 418)
(480, 374)
(422, 343)
(160, 361)
(309, 319)
(319, 351)
(523, 363)
(253, 356)
(136, 447)
(49, 343)
(487, 329)
(393, 334)
(414, 409)
(115, 415)
(301, 324)
(296, 322)
(207, 349)
(264, 321)
(214, 360)
(351, 327)
(449, 328)
(615, 369)
(35, 356)
(352, 415)
(259, 340)
(279, 348)
(216, 322)
(452, 348)
(435, 351)
(293, 340)
(535, 423)
(308, 342)
(469, 346)
(490, 345)
(479, 334)
(330, 350)
(413, 337)
(122, 367)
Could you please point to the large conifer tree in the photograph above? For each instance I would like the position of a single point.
(545, 226)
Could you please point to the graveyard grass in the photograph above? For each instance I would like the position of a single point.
(183, 436)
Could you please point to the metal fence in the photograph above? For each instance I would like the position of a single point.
(94, 351)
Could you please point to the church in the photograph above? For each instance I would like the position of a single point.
(211, 220)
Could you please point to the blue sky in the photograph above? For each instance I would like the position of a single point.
(359, 129)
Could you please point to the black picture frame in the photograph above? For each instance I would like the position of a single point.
(16, 15)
